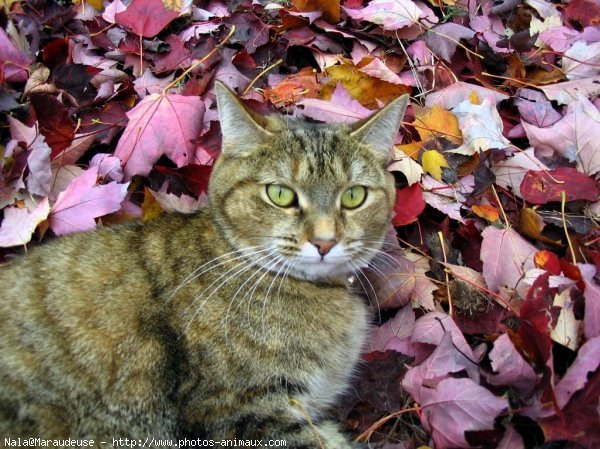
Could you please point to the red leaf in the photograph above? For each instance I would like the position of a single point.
(541, 187)
(548, 261)
(579, 420)
(533, 335)
(194, 176)
(55, 122)
(146, 18)
(409, 205)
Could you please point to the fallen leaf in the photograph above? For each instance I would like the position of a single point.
(506, 257)
(341, 108)
(481, 127)
(330, 8)
(55, 121)
(582, 60)
(160, 124)
(391, 14)
(82, 201)
(565, 93)
(407, 166)
(443, 39)
(566, 328)
(363, 87)
(510, 368)
(13, 62)
(433, 162)
(19, 223)
(294, 87)
(591, 319)
(544, 186)
(145, 18)
(409, 205)
(576, 377)
(532, 225)
(548, 261)
(490, 213)
(435, 123)
(456, 406)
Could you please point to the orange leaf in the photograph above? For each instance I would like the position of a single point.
(365, 88)
(490, 213)
(294, 87)
(330, 8)
(436, 122)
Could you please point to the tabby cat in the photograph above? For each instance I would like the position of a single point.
(232, 323)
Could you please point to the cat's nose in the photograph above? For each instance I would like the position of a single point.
(324, 246)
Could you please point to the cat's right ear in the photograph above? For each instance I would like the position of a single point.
(240, 128)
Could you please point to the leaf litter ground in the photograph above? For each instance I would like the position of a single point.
(486, 301)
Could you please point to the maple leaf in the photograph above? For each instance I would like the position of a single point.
(55, 121)
(565, 93)
(160, 124)
(341, 108)
(407, 166)
(13, 62)
(591, 319)
(82, 201)
(481, 127)
(38, 162)
(575, 136)
(541, 187)
(511, 172)
(506, 257)
(582, 60)
(19, 223)
(451, 96)
(510, 367)
(391, 14)
(145, 18)
(456, 406)
(443, 39)
(433, 162)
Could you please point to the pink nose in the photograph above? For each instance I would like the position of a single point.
(324, 246)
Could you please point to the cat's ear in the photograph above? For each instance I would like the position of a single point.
(241, 129)
(379, 131)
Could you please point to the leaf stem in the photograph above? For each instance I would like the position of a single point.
(197, 63)
(564, 221)
(275, 64)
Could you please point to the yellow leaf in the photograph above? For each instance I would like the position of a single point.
(96, 4)
(411, 149)
(490, 213)
(365, 88)
(436, 122)
(432, 162)
(7, 4)
(532, 225)
(173, 5)
(473, 98)
(150, 207)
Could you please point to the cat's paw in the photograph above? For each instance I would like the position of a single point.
(332, 438)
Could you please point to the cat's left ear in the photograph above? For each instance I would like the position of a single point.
(241, 129)
(379, 131)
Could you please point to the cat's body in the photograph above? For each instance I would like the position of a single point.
(235, 322)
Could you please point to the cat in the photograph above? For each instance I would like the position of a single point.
(236, 322)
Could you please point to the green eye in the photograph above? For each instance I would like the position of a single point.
(354, 197)
(281, 196)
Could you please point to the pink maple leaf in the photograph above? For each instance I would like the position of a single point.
(160, 124)
(510, 367)
(82, 201)
(456, 406)
(391, 14)
(146, 18)
(13, 63)
(341, 108)
(19, 223)
(587, 361)
(506, 256)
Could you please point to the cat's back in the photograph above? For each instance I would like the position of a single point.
(81, 317)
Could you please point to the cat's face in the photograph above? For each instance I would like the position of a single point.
(309, 200)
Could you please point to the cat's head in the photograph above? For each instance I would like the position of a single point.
(300, 198)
